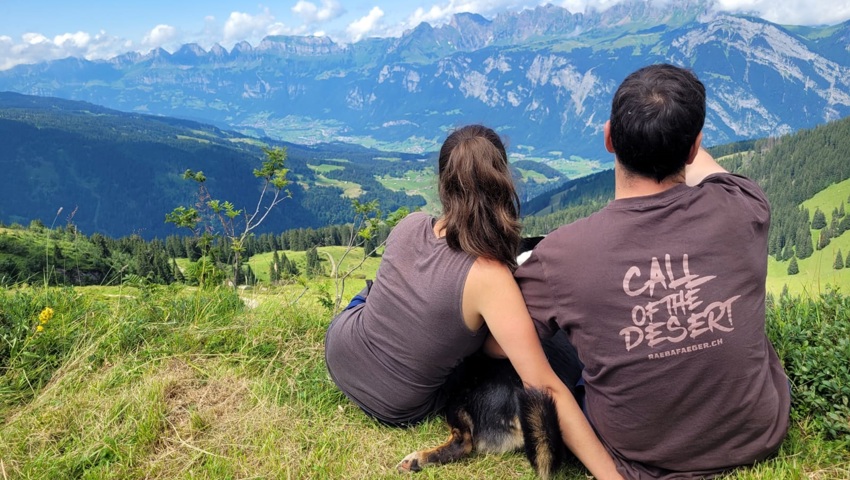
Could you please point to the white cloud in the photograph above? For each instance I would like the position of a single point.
(312, 14)
(160, 35)
(441, 13)
(79, 39)
(581, 6)
(35, 47)
(360, 28)
(34, 39)
(788, 12)
(792, 12)
(244, 26)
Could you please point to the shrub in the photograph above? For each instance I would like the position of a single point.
(812, 337)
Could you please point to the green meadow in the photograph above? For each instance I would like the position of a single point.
(816, 272)
(143, 381)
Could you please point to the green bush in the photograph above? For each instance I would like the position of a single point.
(812, 337)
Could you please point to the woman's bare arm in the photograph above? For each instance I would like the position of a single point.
(492, 291)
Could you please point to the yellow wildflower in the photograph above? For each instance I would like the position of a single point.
(45, 315)
(39, 328)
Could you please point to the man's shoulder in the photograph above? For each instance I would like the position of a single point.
(569, 232)
(746, 189)
(570, 237)
(732, 179)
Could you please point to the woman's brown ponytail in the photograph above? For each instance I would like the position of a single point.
(480, 204)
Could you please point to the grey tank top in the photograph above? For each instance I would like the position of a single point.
(392, 354)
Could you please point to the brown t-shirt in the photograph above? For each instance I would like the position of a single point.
(663, 297)
(392, 355)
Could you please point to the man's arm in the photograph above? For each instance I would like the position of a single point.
(702, 166)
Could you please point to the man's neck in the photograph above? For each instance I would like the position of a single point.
(629, 185)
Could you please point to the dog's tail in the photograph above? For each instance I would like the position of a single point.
(544, 446)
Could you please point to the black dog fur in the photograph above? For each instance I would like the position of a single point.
(489, 411)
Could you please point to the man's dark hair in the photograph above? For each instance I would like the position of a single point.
(656, 115)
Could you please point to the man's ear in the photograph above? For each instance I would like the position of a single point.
(609, 145)
(694, 149)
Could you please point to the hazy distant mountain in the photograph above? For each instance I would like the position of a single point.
(543, 77)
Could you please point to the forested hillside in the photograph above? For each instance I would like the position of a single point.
(118, 174)
(792, 169)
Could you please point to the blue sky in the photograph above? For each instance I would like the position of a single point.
(37, 30)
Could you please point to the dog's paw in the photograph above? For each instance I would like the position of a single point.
(409, 464)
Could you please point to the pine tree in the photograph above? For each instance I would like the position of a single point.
(250, 278)
(288, 267)
(370, 247)
(793, 269)
(839, 261)
(272, 273)
(818, 219)
(843, 225)
(786, 253)
(176, 272)
(803, 243)
(276, 268)
(823, 241)
(314, 267)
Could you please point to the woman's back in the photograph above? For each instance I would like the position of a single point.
(392, 354)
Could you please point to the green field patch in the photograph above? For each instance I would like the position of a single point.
(532, 175)
(248, 141)
(816, 272)
(349, 189)
(325, 168)
(186, 137)
(829, 198)
(416, 182)
(571, 167)
(261, 263)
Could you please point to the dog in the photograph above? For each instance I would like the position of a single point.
(489, 410)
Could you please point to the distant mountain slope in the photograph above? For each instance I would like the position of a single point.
(543, 77)
(118, 173)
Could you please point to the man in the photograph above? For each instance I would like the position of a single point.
(662, 293)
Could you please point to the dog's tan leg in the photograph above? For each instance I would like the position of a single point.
(456, 447)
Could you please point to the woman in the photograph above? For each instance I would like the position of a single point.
(443, 285)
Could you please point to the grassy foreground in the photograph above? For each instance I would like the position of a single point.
(172, 382)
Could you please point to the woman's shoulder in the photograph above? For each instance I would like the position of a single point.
(417, 217)
(489, 272)
(414, 220)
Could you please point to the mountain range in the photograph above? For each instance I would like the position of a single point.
(542, 77)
